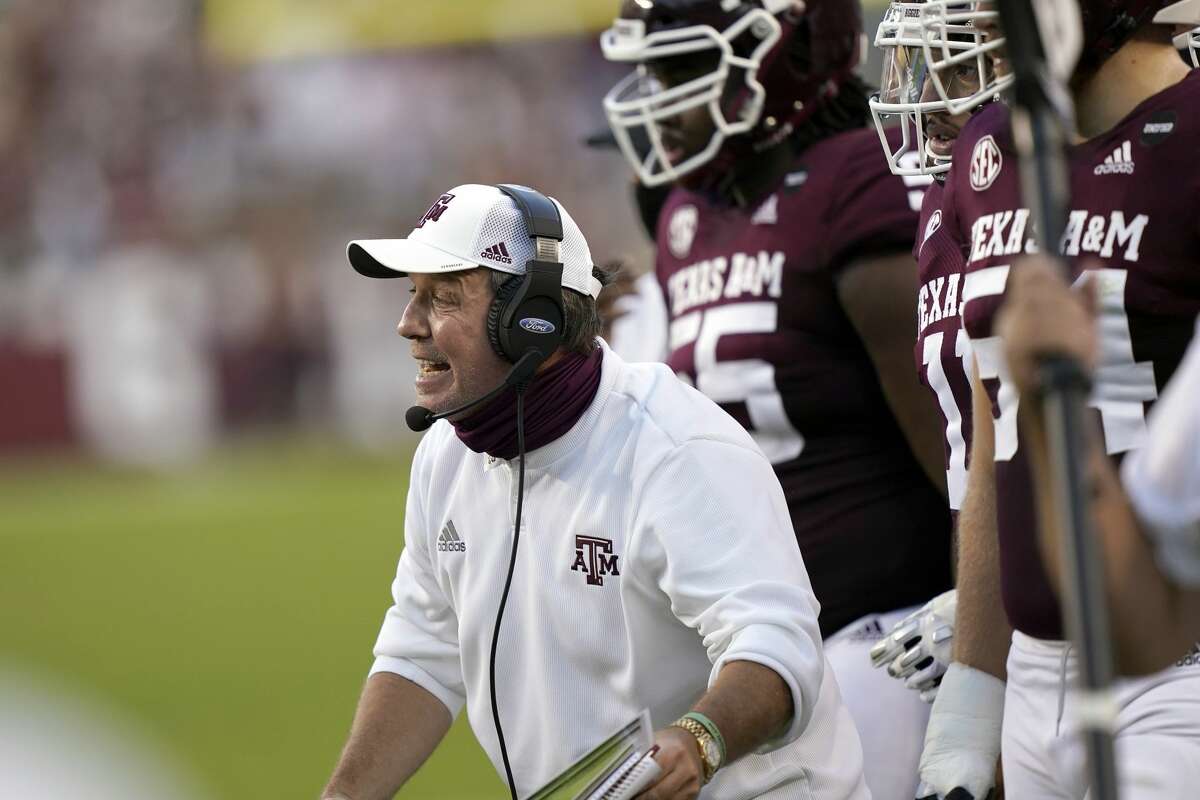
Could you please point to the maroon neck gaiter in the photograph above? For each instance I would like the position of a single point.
(554, 402)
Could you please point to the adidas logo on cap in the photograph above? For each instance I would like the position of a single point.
(498, 252)
(449, 541)
(1120, 161)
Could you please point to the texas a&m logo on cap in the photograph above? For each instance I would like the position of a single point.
(594, 557)
(436, 210)
(986, 162)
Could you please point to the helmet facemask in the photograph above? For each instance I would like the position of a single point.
(902, 84)
(935, 62)
(729, 90)
(1190, 41)
(958, 36)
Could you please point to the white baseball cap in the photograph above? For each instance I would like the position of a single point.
(473, 226)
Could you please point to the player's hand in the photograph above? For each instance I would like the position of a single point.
(962, 742)
(682, 771)
(917, 649)
(1041, 317)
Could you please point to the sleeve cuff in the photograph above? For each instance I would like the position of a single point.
(757, 645)
(1174, 532)
(407, 669)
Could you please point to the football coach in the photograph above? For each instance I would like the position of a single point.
(584, 538)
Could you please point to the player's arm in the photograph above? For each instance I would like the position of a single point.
(879, 295)
(982, 633)
(1154, 620)
(397, 726)
(962, 741)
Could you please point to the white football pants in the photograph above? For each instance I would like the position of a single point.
(1157, 739)
(891, 718)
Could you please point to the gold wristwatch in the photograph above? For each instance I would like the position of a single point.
(710, 751)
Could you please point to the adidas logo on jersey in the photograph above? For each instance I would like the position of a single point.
(498, 252)
(1120, 161)
(448, 540)
(767, 213)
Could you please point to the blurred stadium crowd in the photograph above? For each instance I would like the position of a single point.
(171, 220)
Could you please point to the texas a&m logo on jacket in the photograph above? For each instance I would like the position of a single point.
(594, 557)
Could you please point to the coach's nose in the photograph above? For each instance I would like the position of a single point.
(414, 322)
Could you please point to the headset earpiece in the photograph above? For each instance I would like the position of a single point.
(527, 312)
(504, 293)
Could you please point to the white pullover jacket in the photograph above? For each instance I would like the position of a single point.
(655, 547)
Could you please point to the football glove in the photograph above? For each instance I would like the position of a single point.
(962, 742)
(917, 649)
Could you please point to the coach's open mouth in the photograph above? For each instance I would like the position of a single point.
(427, 366)
(432, 376)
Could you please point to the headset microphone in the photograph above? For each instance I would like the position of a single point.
(419, 418)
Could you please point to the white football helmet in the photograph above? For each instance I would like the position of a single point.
(1184, 13)
(937, 58)
(640, 100)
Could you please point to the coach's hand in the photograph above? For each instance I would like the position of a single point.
(962, 742)
(682, 770)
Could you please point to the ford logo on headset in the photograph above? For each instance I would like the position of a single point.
(536, 325)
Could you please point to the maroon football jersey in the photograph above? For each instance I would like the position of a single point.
(1134, 225)
(755, 324)
(943, 350)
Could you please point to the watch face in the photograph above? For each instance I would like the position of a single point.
(712, 753)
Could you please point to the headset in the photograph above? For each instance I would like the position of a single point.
(527, 314)
(526, 324)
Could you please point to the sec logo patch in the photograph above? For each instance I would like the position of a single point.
(681, 230)
(986, 162)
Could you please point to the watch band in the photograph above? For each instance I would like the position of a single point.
(712, 729)
(702, 737)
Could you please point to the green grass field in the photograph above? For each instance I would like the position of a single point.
(230, 609)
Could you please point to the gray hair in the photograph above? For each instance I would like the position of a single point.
(582, 322)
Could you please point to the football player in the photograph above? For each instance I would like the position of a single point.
(1138, 114)
(783, 253)
(938, 70)
(930, 70)
(1148, 519)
